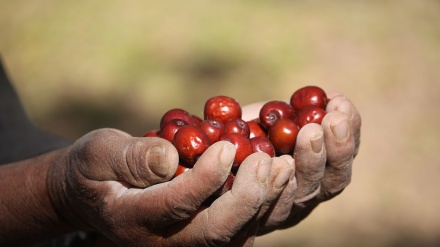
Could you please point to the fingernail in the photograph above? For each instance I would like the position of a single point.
(317, 142)
(264, 170)
(227, 154)
(282, 178)
(155, 159)
(340, 130)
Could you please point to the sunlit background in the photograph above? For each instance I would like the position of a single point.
(82, 65)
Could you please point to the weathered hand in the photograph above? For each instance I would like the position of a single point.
(119, 186)
(322, 160)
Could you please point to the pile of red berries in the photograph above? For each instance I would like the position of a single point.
(274, 132)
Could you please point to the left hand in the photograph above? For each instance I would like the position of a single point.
(322, 161)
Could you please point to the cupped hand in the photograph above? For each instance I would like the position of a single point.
(322, 161)
(120, 186)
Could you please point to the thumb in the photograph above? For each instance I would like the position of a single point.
(110, 154)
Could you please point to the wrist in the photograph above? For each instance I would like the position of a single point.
(68, 195)
(26, 207)
(56, 186)
(58, 191)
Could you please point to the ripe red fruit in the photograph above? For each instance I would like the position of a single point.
(180, 169)
(226, 186)
(273, 111)
(255, 129)
(175, 113)
(169, 129)
(152, 133)
(273, 132)
(196, 120)
(309, 95)
(283, 135)
(190, 142)
(222, 108)
(213, 129)
(262, 144)
(243, 147)
(310, 114)
(238, 126)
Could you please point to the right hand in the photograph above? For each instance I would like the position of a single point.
(120, 186)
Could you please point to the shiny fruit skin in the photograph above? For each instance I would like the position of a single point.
(309, 95)
(238, 126)
(283, 135)
(213, 129)
(262, 144)
(196, 120)
(169, 129)
(227, 185)
(152, 133)
(310, 114)
(273, 111)
(255, 129)
(190, 142)
(175, 113)
(222, 108)
(243, 147)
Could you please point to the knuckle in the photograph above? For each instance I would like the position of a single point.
(277, 219)
(178, 206)
(90, 143)
(218, 236)
(338, 180)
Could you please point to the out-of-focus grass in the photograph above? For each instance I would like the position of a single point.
(81, 65)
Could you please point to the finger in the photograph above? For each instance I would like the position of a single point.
(181, 197)
(340, 147)
(251, 111)
(310, 158)
(280, 174)
(230, 213)
(110, 154)
(280, 209)
(245, 239)
(343, 104)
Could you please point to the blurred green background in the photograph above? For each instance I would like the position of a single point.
(82, 65)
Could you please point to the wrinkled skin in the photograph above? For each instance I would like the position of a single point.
(111, 183)
(120, 186)
(322, 162)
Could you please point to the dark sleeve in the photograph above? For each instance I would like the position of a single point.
(19, 137)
